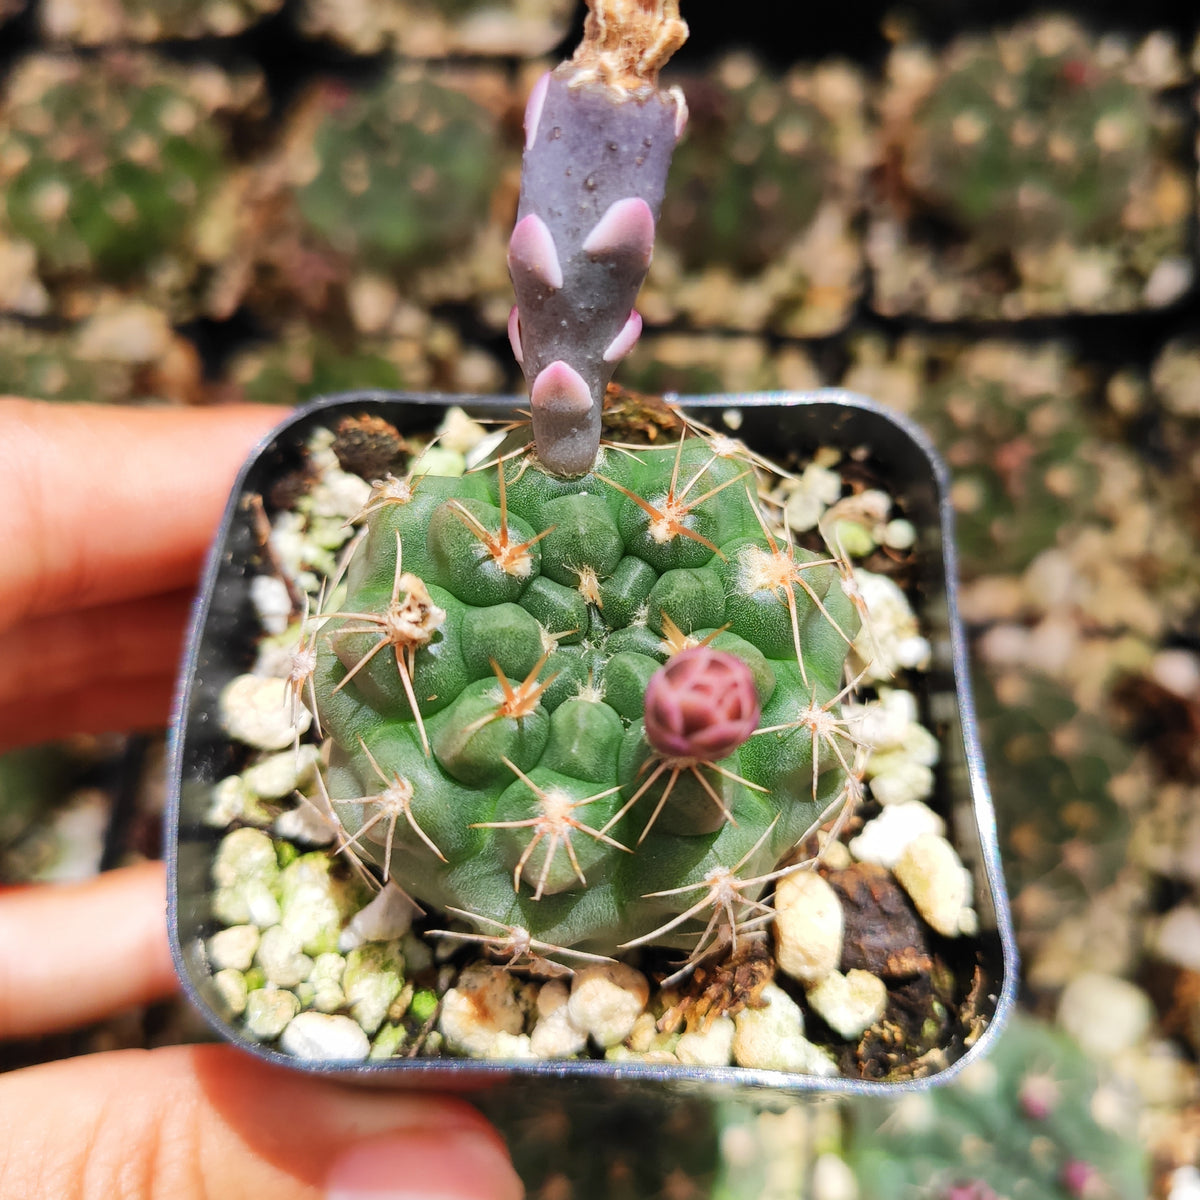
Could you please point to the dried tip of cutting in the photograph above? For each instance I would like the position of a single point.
(627, 42)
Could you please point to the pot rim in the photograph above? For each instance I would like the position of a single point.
(854, 410)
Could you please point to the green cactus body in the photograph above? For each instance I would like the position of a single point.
(435, 28)
(484, 687)
(1031, 1120)
(406, 172)
(1030, 136)
(752, 171)
(150, 20)
(105, 163)
(756, 227)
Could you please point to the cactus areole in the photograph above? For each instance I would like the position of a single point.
(587, 694)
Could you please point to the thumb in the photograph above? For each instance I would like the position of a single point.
(210, 1121)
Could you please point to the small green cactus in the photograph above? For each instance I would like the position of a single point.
(756, 224)
(507, 740)
(753, 169)
(405, 173)
(304, 363)
(105, 164)
(1030, 1120)
(149, 20)
(1030, 136)
(436, 28)
(1013, 424)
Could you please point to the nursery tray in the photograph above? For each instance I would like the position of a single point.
(222, 644)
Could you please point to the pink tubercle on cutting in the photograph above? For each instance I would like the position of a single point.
(514, 335)
(624, 341)
(533, 108)
(627, 228)
(681, 111)
(531, 249)
(560, 389)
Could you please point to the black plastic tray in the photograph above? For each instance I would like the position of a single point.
(221, 645)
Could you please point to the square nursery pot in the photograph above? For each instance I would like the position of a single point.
(222, 645)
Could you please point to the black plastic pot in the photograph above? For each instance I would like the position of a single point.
(221, 645)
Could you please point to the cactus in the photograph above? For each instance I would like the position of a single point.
(435, 28)
(105, 163)
(1013, 424)
(405, 171)
(1031, 1120)
(306, 363)
(149, 20)
(1030, 136)
(1032, 175)
(598, 141)
(752, 171)
(756, 226)
(544, 694)
(578, 696)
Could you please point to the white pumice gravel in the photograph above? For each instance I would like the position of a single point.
(884, 838)
(809, 925)
(281, 958)
(258, 712)
(246, 875)
(772, 1037)
(809, 496)
(890, 640)
(231, 991)
(485, 1002)
(373, 978)
(386, 917)
(1105, 1014)
(314, 903)
(849, 1004)
(233, 947)
(326, 980)
(711, 1046)
(933, 875)
(1177, 938)
(324, 1037)
(231, 800)
(555, 1035)
(305, 826)
(606, 999)
(272, 602)
(281, 774)
(268, 1011)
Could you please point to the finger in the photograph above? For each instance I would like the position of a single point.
(208, 1121)
(72, 953)
(129, 705)
(43, 655)
(99, 504)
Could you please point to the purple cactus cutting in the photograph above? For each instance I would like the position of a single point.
(599, 134)
(702, 705)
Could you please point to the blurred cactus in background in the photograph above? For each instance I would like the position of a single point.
(437, 28)
(1030, 1120)
(107, 165)
(101, 22)
(757, 223)
(1031, 171)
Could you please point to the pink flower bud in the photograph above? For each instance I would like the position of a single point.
(701, 705)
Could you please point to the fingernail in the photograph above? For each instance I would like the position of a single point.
(424, 1165)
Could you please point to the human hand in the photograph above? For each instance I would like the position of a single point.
(105, 516)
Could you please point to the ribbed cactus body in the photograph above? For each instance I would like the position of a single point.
(485, 684)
